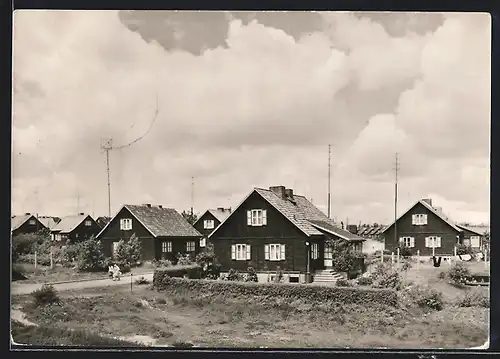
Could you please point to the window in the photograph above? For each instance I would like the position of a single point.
(357, 248)
(208, 224)
(328, 251)
(467, 241)
(115, 248)
(76, 235)
(257, 217)
(32, 222)
(88, 223)
(433, 242)
(166, 247)
(125, 224)
(190, 246)
(474, 241)
(314, 251)
(240, 252)
(203, 242)
(407, 242)
(419, 219)
(274, 252)
(293, 279)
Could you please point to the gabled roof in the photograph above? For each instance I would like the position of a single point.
(300, 213)
(159, 221)
(18, 221)
(102, 221)
(48, 222)
(437, 212)
(470, 229)
(217, 213)
(69, 223)
(331, 228)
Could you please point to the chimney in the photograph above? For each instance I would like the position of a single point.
(341, 224)
(289, 192)
(221, 209)
(352, 228)
(279, 191)
(28, 214)
(160, 206)
(428, 201)
(81, 214)
(147, 205)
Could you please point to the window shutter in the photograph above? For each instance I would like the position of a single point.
(249, 218)
(264, 217)
(438, 240)
(424, 219)
(401, 241)
(282, 249)
(249, 252)
(412, 242)
(266, 251)
(427, 245)
(413, 219)
(233, 251)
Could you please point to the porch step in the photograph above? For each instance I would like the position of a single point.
(327, 276)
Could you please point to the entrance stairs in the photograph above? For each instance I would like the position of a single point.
(327, 276)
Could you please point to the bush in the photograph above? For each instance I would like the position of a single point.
(474, 298)
(405, 252)
(45, 295)
(234, 275)
(345, 260)
(441, 275)
(89, 256)
(459, 274)
(423, 297)
(380, 270)
(310, 293)
(192, 272)
(390, 280)
(365, 281)
(23, 244)
(464, 249)
(141, 281)
(184, 259)
(209, 265)
(162, 263)
(128, 253)
(251, 275)
(343, 283)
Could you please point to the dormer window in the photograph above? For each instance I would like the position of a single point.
(257, 217)
(88, 223)
(208, 224)
(32, 222)
(125, 224)
(419, 219)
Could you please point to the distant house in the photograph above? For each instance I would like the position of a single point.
(374, 240)
(423, 227)
(163, 232)
(75, 228)
(210, 220)
(102, 221)
(275, 228)
(26, 223)
(49, 222)
(473, 237)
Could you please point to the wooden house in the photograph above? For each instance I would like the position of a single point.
(210, 220)
(473, 237)
(275, 229)
(164, 233)
(26, 223)
(75, 228)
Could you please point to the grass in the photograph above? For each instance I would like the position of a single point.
(49, 336)
(215, 321)
(43, 274)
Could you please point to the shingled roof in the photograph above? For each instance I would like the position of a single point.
(221, 215)
(18, 221)
(69, 223)
(302, 213)
(48, 222)
(160, 221)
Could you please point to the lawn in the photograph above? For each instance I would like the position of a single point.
(216, 321)
(42, 274)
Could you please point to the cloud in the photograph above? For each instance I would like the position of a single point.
(249, 100)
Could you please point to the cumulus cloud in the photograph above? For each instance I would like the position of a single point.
(249, 99)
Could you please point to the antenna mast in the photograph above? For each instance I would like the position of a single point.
(192, 195)
(107, 145)
(396, 169)
(329, 177)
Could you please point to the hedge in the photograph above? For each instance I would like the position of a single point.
(190, 271)
(165, 282)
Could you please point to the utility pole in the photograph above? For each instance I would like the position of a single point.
(329, 178)
(192, 196)
(396, 169)
(106, 146)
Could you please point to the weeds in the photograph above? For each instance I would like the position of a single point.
(474, 298)
(141, 281)
(44, 296)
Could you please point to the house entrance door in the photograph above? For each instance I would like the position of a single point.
(328, 258)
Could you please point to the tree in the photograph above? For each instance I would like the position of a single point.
(190, 217)
(128, 252)
(89, 256)
(344, 260)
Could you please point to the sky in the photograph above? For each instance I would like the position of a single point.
(252, 100)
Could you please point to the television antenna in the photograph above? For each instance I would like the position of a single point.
(107, 145)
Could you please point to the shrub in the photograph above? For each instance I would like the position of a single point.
(405, 252)
(251, 275)
(345, 260)
(68, 255)
(89, 256)
(193, 272)
(184, 259)
(341, 282)
(441, 275)
(310, 293)
(45, 295)
(234, 275)
(278, 278)
(420, 296)
(141, 281)
(474, 298)
(128, 253)
(391, 280)
(406, 265)
(380, 270)
(365, 281)
(459, 274)
(23, 244)
(210, 268)
(464, 249)
(162, 263)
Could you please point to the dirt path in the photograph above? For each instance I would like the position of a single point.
(19, 289)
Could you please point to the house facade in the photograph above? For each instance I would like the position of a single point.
(75, 228)
(424, 228)
(473, 237)
(275, 229)
(210, 220)
(26, 223)
(374, 240)
(163, 232)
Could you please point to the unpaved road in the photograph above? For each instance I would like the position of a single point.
(19, 289)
